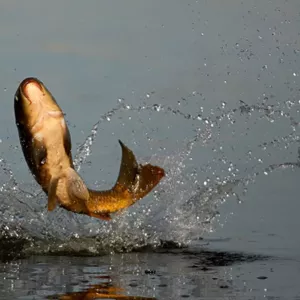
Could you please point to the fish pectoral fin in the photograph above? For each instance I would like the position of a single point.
(39, 153)
(52, 200)
(75, 186)
(67, 139)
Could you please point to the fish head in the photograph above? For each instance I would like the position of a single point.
(32, 100)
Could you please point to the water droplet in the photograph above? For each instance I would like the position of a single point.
(5, 89)
(156, 107)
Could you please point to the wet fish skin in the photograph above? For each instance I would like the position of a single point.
(47, 149)
(46, 145)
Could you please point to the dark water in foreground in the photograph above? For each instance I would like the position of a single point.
(209, 90)
(189, 274)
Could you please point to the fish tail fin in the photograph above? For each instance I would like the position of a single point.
(134, 179)
(134, 182)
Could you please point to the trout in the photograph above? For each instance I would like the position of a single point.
(46, 144)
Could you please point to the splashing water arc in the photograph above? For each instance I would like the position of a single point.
(185, 204)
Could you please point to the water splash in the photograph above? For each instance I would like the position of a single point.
(183, 207)
(84, 150)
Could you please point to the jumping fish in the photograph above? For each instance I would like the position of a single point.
(46, 145)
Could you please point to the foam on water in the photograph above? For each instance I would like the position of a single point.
(185, 204)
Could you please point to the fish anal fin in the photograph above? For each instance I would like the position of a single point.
(102, 216)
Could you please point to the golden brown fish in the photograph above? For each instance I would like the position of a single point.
(46, 144)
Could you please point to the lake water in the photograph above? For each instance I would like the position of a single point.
(210, 91)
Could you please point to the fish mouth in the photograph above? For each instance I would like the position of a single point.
(31, 88)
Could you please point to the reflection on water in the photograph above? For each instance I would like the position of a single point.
(173, 274)
(104, 290)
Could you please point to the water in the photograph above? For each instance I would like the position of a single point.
(206, 89)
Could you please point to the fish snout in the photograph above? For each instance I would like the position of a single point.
(31, 88)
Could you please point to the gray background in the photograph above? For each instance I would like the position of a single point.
(182, 68)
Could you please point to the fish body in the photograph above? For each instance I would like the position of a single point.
(46, 145)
